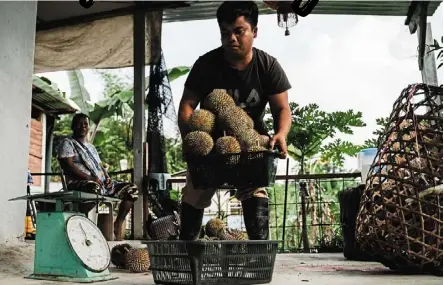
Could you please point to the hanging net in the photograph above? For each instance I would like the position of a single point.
(161, 114)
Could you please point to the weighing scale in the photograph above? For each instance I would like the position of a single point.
(68, 245)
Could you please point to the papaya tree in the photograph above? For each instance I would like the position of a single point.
(310, 129)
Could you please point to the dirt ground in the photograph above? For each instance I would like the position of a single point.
(16, 262)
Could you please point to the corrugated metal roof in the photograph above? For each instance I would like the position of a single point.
(50, 100)
(207, 9)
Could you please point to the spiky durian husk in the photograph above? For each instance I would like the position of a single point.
(237, 234)
(213, 227)
(137, 260)
(264, 140)
(217, 101)
(202, 120)
(227, 144)
(249, 138)
(197, 143)
(234, 120)
(256, 148)
(223, 234)
(118, 254)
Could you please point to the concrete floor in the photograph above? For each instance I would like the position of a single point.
(322, 269)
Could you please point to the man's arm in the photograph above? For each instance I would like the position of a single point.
(281, 113)
(68, 166)
(187, 105)
(65, 156)
(278, 89)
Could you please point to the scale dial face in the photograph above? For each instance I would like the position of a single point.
(88, 243)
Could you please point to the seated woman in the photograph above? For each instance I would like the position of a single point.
(84, 171)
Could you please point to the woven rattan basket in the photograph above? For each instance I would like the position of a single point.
(400, 217)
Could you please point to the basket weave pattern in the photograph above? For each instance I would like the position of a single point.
(400, 217)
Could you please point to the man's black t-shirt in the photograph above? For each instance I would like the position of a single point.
(250, 87)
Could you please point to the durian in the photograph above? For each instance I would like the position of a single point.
(137, 260)
(234, 120)
(227, 144)
(223, 234)
(213, 227)
(264, 140)
(198, 143)
(118, 254)
(256, 148)
(249, 138)
(237, 234)
(202, 120)
(217, 101)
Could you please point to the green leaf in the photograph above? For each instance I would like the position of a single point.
(177, 72)
(125, 96)
(79, 94)
(173, 74)
(99, 137)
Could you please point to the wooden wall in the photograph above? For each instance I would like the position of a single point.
(36, 146)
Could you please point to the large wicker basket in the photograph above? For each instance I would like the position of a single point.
(400, 218)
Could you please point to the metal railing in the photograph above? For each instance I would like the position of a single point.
(323, 226)
(286, 216)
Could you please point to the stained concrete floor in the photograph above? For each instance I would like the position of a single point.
(319, 269)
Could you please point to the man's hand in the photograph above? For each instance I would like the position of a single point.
(96, 179)
(108, 182)
(280, 141)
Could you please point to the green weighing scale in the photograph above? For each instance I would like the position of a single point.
(68, 245)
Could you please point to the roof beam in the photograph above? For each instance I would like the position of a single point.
(146, 6)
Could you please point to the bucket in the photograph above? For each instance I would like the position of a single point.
(365, 160)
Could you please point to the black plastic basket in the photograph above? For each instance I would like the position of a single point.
(234, 171)
(212, 262)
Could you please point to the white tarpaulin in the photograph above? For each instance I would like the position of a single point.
(106, 43)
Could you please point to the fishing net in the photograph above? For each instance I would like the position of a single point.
(400, 216)
(161, 112)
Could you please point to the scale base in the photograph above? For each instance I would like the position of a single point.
(61, 278)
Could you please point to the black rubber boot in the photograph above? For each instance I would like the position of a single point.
(256, 218)
(190, 222)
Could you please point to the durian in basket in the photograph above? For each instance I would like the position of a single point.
(400, 217)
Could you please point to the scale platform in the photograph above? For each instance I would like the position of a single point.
(68, 246)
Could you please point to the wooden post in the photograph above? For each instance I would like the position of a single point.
(139, 118)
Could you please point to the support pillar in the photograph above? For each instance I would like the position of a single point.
(139, 119)
(429, 72)
(50, 123)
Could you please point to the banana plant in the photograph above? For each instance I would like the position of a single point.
(118, 103)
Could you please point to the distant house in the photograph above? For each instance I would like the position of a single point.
(47, 104)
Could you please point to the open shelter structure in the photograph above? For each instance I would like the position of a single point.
(44, 36)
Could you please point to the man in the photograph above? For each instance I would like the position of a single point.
(254, 79)
(84, 171)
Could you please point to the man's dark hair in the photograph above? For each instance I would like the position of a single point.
(76, 119)
(229, 11)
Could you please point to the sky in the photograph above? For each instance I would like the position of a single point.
(338, 62)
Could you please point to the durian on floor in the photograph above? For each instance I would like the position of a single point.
(135, 260)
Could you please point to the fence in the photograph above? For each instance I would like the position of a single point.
(321, 210)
